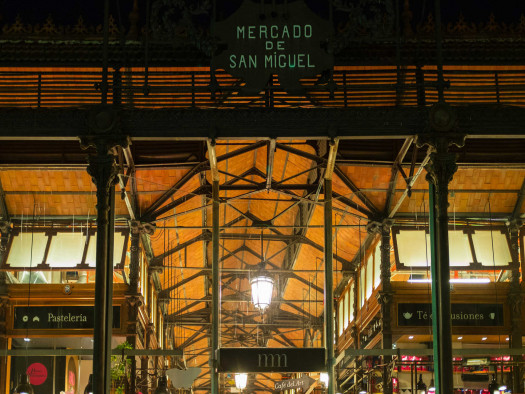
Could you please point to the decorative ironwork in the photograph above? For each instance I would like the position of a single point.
(48, 29)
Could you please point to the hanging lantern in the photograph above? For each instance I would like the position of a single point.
(432, 388)
(89, 387)
(323, 378)
(262, 288)
(241, 379)
(24, 387)
(421, 387)
(361, 389)
(162, 386)
(493, 386)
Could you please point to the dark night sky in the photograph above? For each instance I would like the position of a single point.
(66, 12)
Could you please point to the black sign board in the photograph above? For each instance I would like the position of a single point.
(466, 315)
(271, 359)
(59, 317)
(288, 40)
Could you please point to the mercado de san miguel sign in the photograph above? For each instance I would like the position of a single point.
(287, 40)
(462, 315)
(271, 359)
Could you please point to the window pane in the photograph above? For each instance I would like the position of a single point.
(362, 288)
(369, 276)
(341, 317)
(484, 251)
(346, 319)
(351, 293)
(377, 265)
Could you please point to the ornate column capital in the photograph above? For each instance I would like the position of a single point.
(5, 227)
(138, 227)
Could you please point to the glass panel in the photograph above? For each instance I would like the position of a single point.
(117, 255)
(484, 251)
(377, 265)
(66, 249)
(362, 287)
(412, 248)
(27, 249)
(369, 276)
(351, 306)
(346, 317)
(459, 248)
(341, 317)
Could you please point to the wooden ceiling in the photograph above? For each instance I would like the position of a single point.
(278, 220)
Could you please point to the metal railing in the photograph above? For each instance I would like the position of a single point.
(197, 88)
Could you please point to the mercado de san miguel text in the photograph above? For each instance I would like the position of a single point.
(262, 196)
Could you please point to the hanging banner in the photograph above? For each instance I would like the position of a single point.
(59, 317)
(271, 359)
(287, 40)
(466, 315)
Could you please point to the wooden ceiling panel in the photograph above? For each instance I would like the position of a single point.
(367, 179)
(487, 179)
(43, 205)
(159, 180)
(46, 181)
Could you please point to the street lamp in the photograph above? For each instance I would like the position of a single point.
(432, 388)
(421, 387)
(162, 386)
(493, 386)
(23, 387)
(241, 379)
(89, 387)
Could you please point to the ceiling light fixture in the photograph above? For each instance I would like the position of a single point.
(241, 380)
(89, 387)
(454, 280)
(432, 388)
(24, 387)
(323, 378)
(162, 386)
(262, 285)
(421, 387)
(493, 386)
(460, 338)
(411, 337)
(484, 338)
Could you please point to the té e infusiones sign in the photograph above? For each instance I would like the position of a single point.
(287, 40)
(469, 315)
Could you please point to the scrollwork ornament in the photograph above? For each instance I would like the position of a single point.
(441, 169)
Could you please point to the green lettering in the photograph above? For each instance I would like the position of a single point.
(240, 32)
(268, 61)
(263, 32)
(233, 62)
(308, 31)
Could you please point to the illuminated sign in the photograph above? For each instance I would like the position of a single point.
(470, 315)
(271, 359)
(286, 40)
(59, 317)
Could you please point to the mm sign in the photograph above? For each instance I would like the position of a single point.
(271, 359)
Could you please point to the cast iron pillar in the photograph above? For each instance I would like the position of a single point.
(515, 303)
(215, 288)
(329, 285)
(385, 298)
(133, 297)
(5, 235)
(104, 136)
(440, 171)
